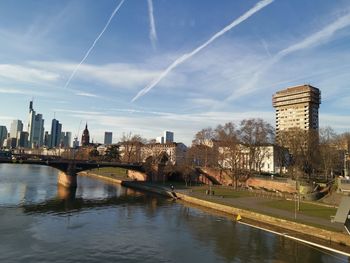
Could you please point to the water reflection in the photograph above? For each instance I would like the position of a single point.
(100, 222)
(71, 200)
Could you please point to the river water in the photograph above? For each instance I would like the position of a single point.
(100, 222)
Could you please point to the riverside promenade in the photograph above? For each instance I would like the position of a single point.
(311, 224)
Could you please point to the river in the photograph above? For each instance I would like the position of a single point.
(101, 222)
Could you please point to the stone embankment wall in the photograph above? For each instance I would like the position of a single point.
(220, 176)
(280, 223)
(287, 186)
(138, 185)
(138, 176)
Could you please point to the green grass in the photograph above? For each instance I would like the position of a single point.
(221, 191)
(113, 172)
(305, 208)
(177, 185)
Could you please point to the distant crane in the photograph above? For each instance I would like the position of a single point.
(77, 135)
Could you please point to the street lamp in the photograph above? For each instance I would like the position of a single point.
(295, 206)
(346, 172)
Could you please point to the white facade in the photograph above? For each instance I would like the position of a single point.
(267, 158)
(160, 139)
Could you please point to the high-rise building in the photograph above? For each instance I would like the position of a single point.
(35, 128)
(16, 126)
(56, 129)
(297, 107)
(3, 135)
(108, 138)
(47, 139)
(168, 137)
(85, 138)
(22, 139)
(67, 138)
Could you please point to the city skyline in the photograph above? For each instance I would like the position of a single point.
(281, 45)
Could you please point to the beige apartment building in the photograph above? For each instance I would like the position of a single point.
(297, 107)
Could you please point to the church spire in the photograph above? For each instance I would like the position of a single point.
(85, 139)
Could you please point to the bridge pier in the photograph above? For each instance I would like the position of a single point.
(67, 180)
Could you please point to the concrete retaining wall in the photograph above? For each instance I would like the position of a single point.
(285, 186)
(137, 175)
(293, 226)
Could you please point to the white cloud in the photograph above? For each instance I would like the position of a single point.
(7, 118)
(82, 112)
(86, 94)
(26, 74)
(117, 75)
(12, 91)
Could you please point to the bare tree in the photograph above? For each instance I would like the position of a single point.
(230, 152)
(304, 148)
(204, 148)
(255, 133)
(328, 150)
(130, 148)
(282, 153)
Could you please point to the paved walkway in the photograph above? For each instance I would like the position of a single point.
(258, 204)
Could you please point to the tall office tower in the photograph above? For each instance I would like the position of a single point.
(47, 139)
(85, 138)
(108, 138)
(297, 107)
(56, 129)
(168, 137)
(67, 139)
(22, 139)
(3, 135)
(16, 126)
(35, 128)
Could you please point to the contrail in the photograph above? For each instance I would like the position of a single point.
(93, 44)
(320, 37)
(186, 56)
(152, 25)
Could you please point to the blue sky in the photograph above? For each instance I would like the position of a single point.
(285, 43)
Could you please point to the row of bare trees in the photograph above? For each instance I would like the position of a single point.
(221, 147)
(304, 153)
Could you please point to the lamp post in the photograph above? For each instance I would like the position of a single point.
(295, 206)
(346, 172)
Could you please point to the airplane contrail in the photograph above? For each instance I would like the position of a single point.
(186, 56)
(152, 25)
(322, 36)
(94, 43)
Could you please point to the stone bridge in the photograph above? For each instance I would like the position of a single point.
(69, 168)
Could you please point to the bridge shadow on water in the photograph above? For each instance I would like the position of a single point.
(67, 201)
